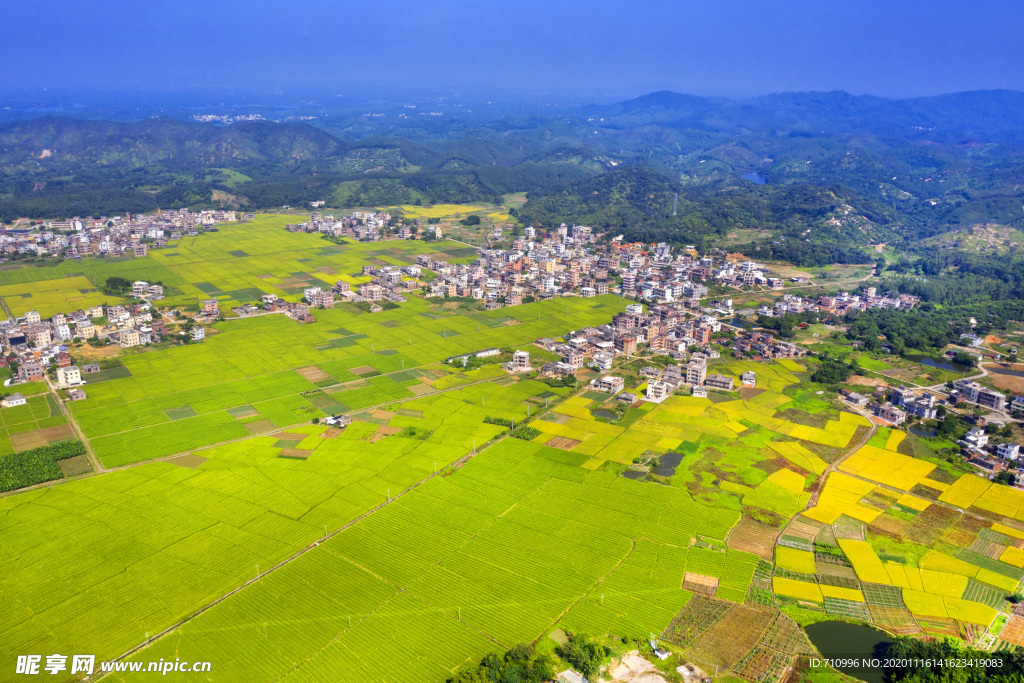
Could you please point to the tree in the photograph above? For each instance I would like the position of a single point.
(964, 358)
(116, 286)
(585, 655)
(1005, 477)
(831, 372)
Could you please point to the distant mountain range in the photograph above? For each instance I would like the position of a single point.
(909, 168)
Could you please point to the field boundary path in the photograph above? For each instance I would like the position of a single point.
(287, 560)
(317, 543)
(839, 461)
(96, 464)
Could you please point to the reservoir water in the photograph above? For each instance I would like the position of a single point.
(841, 640)
(754, 177)
(940, 363)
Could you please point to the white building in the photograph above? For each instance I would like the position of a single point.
(1008, 451)
(69, 376)
(14, 399)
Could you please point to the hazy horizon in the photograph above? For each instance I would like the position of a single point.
(597, 50)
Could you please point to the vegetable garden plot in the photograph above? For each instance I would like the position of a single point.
(733, 636)
(847, 608)
(699, 614)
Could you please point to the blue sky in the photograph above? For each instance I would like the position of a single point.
(896, 48)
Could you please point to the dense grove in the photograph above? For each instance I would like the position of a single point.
(18, 470)
(1001, 667)
(519, 665)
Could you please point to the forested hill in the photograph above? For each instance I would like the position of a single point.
(811, 225)
(842, 172)
(981, 112)
(51, 144)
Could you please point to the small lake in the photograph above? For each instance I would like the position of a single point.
(1004, 371)
(841, 640)
(668, 463)
(940, 363)
(754, 177)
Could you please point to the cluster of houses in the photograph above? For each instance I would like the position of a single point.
(667, 328)
(112, 236)
(972, 392)
(838, 304)
(33, 345)
(896, 407)
(993, 457)
(361, 225)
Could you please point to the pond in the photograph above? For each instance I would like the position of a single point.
(1004, 371)
(842, 640)
(668, 463)
(754, 177)
(737, 322)
(601, 412)
(940, 363)
(923, 433)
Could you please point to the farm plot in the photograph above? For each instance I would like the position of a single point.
(135, 549)
(61, 295)
(465, 551)
(253, 362)
(37, 423)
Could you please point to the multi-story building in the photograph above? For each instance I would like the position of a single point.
(719, 382)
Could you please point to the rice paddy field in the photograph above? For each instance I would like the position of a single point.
(237, 264)
(421, 537)
(50, 297)
(255, 374)
(96, 563)
(38, 423)
(257, 371)
(914, 549)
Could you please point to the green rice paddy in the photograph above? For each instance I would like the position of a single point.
(427, 559)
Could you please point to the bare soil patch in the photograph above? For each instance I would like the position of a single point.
(563, 442)
(71, 467)
(700, 583)
(190, 461)
(52, 434)
(753, 537)
(260, 426)
(313, 373)
(863, 381)
(24, 441)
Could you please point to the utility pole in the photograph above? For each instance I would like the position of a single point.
(325, 532)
